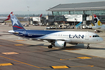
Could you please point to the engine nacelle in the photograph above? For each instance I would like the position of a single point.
(60, 44)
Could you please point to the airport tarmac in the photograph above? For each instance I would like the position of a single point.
(21, 54)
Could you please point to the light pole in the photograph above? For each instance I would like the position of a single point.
(28, 13)
(28, 10)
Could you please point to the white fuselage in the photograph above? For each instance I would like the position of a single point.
(74, 37)
(67, 36)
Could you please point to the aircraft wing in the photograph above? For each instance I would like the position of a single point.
(49, 40)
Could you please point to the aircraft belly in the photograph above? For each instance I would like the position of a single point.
(77, 40)
(90, 41)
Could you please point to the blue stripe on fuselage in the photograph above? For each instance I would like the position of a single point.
(34, 33)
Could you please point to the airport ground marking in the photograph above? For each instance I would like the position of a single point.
(84, 54)
(77, 58)
(19, 61)
(78, 53)
(62, 50)
(54, 67)
(18, 44)
(60, 67)
(84, 57)
(5, 64)
(9, 53)
(64, 66)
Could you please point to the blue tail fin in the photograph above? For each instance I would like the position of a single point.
(15, 22)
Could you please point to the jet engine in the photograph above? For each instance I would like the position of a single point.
(60, 44)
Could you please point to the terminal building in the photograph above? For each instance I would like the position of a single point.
(85, 9)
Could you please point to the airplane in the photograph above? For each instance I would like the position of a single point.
(3, 19)
(56, 38)
(98, 25)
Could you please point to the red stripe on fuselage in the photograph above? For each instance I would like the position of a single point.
(18, 27)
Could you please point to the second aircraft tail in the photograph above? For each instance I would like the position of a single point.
(97, 21)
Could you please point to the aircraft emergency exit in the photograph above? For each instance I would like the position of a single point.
(56, 38)
(98, 25)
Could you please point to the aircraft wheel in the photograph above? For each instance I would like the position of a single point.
(88, 47)
(50, 46)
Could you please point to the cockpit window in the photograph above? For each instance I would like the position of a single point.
(95, 36)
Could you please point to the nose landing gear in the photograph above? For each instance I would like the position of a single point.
(50, 46)
(88, 47)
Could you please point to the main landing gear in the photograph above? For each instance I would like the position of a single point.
(50, 46)
(88, 47)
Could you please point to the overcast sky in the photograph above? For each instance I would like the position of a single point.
(35, 6)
